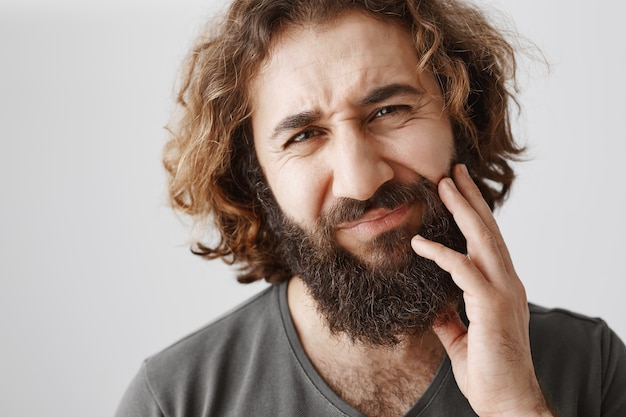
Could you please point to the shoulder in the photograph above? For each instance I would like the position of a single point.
(562, 326)
(189, 375)
(578, 360)
(217, 340)
(570, 334)
(209, 365)
(563, 321)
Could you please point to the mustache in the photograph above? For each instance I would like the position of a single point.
(390, 195)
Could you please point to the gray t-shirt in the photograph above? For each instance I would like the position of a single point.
(250, 363)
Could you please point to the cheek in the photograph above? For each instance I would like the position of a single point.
(299, 192)
(289, 182)
(430, 156)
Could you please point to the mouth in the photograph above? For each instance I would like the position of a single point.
(377, 221)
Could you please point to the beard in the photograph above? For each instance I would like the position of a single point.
(388, 292)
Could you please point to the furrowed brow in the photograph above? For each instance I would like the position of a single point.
(385, 92)
(294, 122)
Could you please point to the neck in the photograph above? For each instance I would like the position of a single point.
(356, 371)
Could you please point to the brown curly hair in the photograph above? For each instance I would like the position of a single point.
(210, 157)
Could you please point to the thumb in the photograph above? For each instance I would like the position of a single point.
(452, 333)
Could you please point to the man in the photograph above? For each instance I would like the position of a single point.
(350, 152)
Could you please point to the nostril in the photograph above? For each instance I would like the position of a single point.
(360, 181)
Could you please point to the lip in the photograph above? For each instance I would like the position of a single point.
(377, 221)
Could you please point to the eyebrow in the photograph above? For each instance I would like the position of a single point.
(294, 122)
(388, 91)
(378, 95)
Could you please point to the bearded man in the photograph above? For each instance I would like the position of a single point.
(350, 152)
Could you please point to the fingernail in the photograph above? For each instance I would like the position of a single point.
(449, 183)
(417, 242)
(464, 169)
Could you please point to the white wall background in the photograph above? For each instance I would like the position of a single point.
(95, 273)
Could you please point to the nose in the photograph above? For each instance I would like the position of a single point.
(359, 167)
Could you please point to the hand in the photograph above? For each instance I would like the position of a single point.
(491, 358)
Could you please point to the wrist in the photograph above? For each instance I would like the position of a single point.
(535, 405)
(542, 409)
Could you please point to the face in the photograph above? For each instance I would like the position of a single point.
(338, 111)
(352, 141)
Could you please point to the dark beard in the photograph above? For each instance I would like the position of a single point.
(392, 292)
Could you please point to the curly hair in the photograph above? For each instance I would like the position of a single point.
(213, 171)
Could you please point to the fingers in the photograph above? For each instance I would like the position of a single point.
(488, 260)
(495, 304)
(453, 335)
(482, 247)
(472, 194)
(461, 268)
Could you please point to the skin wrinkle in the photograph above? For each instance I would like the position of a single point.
(397, 293)
(213, 117)
(473, 123)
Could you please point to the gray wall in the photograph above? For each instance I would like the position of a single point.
(94, 268)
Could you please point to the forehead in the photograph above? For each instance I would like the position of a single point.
(317, 66)
(344, 32)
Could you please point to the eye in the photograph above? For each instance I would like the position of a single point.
(388, 110)
(303, 136)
